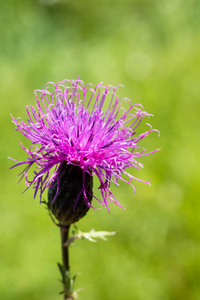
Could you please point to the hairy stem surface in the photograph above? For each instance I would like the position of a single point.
(65, 253)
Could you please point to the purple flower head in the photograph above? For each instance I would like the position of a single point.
(69, 125)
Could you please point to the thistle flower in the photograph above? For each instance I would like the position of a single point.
(71, 129)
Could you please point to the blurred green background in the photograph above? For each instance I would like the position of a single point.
(152, 47)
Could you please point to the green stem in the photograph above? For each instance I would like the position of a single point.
(65, 252)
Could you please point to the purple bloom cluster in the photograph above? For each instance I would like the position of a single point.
(69, 125)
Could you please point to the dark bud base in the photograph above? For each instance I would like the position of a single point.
(70, 186)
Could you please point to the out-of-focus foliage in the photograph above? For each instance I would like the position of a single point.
(153, 48)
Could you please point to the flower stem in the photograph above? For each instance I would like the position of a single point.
(64, 230)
